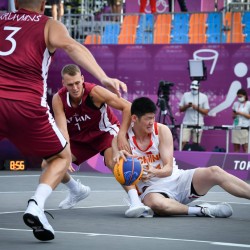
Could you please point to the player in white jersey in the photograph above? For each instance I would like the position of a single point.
(164, 188)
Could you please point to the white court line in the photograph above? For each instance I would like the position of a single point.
(63, 191)
(82, 176)
(140, 237)
(58, 209)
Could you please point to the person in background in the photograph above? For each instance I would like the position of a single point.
(57, 9)
(195, 105)
(116, 8)
(182, 4)
(143, 4)
(241, 116)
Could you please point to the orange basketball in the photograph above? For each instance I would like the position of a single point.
(128, 172)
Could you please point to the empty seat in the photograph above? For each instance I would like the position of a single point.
(233, 27)
(180, 28)
(128, 30)
(197, 28)
(92, 39)
(144, 34)
(110, 34)
(162, 29)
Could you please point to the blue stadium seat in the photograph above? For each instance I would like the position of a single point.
(180, 28)
(214, 28)
(111, 32)
(246, 23)
(144, 33)
(214, 17)
(180, 39)
(182, 18)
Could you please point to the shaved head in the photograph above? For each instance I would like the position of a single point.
(29, 4)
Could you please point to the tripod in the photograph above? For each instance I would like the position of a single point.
(166, 117)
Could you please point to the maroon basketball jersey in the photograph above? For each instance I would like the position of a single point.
(87, 122)
(24, 58)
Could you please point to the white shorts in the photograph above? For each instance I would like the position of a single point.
(177, 187)
(240, 136)
(187, 132)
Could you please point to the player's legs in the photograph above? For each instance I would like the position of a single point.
(136, 207)
(56, 168)
(205, 178)
(35, 133)
(164, 206)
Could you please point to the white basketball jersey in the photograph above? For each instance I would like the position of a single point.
(150, 154)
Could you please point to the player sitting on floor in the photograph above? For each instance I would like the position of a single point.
(165, 188)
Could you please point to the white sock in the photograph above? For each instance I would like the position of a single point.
(72, 185)
(43, 191)
(195, 211)
(134, 198)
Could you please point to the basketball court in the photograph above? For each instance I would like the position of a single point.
(99, 222)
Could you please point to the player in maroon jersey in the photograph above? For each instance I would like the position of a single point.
(28, 41)
(83, 114)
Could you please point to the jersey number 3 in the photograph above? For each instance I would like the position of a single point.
(11, 39)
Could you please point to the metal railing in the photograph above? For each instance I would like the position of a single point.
(226, 128)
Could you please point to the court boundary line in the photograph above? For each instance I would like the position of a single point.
(58, 209)
(230, 244)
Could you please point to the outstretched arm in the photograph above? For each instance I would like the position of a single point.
(101, 95)
(57, 36)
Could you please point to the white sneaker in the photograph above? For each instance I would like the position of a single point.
(221, 210)
(139, 211)
(35, 218)
(72, 199)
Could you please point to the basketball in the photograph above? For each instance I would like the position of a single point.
(128, 172)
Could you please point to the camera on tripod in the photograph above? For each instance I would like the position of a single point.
(165, 115)
(164, 88)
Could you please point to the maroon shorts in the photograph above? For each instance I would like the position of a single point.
(85, 149)
(31, 128)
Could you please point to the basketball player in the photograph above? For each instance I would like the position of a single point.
(83, 114)
(165, 188)
(28, 40)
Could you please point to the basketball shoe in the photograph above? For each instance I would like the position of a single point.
(221, 210)
(35, 218)
(139, 210)
(72, 198)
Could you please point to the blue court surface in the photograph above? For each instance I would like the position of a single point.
(98, 222)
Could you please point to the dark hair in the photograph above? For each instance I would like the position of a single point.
(142, 106)
(242, 92)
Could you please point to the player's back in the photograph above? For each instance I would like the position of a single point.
(24, 58)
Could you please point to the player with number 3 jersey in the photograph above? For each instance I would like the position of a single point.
(28, 40)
